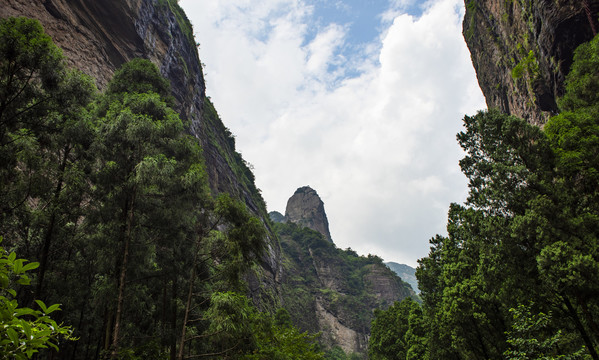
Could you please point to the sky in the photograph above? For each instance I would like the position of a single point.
(359, 99)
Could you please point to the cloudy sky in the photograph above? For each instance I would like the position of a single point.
(359, 99)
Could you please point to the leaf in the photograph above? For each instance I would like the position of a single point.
(3, 281)
(27, 329)
(53, 308)
(12, 257)
(24, 311)
(24, 280)
(18, 266)
(42, 306)
(31, 266)
(12, 334)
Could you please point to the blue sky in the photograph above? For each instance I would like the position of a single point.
(361, 100)
(363, 17)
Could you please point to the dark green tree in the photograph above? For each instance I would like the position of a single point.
(489, 261)
(398, 332)
(222, 256)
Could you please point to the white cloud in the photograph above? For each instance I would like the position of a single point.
(379, 148)
(321, 50)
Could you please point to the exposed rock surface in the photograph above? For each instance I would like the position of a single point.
(522, 50)
(99, 36)
(305, 208)
(334, 332)
(326, 289)
(383, 284)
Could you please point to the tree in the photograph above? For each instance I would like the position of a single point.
(398, 332)
(110, 195)
(148, 168)
(38, 94)
(492, 259)
(44, 135)
(221, 255)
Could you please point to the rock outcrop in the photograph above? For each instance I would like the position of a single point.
(522, 50)
(305, 208)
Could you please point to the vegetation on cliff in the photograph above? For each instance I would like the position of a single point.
(108, 194)
(321, 279)
(515, 278)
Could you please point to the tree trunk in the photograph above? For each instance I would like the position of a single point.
(588, 317)
(187, 307)
(587, 9)
(122, 280)
(173, 329)
(50, 229)
(581, 328)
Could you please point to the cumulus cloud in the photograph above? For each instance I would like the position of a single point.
(379, 147)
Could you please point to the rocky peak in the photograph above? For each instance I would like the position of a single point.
(307, 209)
(522, 50)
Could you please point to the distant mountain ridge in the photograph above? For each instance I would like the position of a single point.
(406, 273)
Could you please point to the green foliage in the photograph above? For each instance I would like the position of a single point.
(515, 241)
(139, 76)
(582, 83)
(528, 65)
(527, 235)
(24, 331)
(31, 69)
(245, 333)
(41, 103)
(337, 353)
(278, 341)
(529, 338)
(398, 332)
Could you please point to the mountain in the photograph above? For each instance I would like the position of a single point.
(305, 208)
(522, 50)
(326, 289)
(405, 272)
(98, 37)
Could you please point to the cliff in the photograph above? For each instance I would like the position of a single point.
(98, 36)
(326, 289)
(305, 208)
(522, 50)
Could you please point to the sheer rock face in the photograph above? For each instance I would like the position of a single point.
(305, 208)
(97, 37)
(522, 50)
